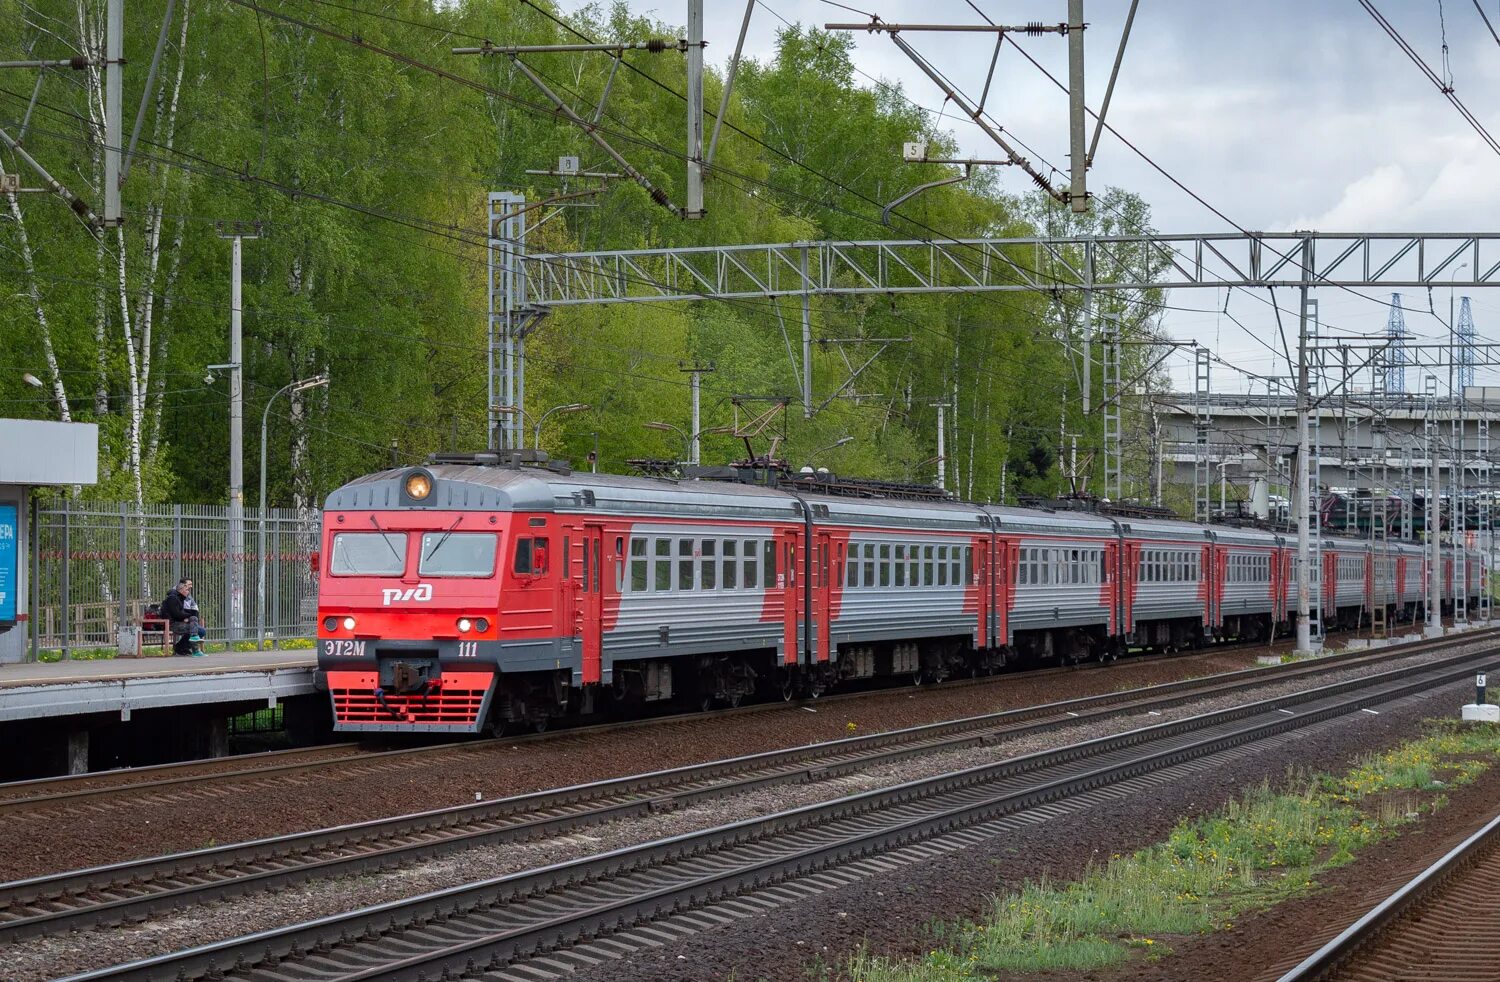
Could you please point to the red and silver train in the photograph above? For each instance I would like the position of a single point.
(477, 593)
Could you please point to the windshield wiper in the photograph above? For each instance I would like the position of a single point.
(439, 544)
(386, 538)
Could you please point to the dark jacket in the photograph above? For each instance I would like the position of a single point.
(173, 608)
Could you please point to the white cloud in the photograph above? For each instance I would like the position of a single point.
(1284, 114)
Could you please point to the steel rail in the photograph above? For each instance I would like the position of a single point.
(136, 889)
(89, 788)
(1327, 959)
(515, 916)
(102, 784)
(40, 790)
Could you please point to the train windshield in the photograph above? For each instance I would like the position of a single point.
(458, 554)
(368, 554)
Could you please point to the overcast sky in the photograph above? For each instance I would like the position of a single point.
(1283, 114)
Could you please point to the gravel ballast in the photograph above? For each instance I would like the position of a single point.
(53, 840)
(890, 913)
(42, 958)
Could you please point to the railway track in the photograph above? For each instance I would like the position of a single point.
(69, 788)
(82, 793)
(136, 786)
(132, 891)
(135, 890)
(1443, 924)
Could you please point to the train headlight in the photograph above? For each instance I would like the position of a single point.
(348, 623)
(418, 486)
(330, 623)
(481, 625)
(464, 624)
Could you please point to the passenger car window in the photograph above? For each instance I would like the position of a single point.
(708, 566)
(731, 564)
(638, 566)
(663, 565)
(685, 564)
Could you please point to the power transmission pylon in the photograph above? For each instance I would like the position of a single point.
(1465, 331)
(1395, 361)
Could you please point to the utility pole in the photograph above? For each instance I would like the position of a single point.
(807, 347)
(694, 205)
(1304, 492)
(942, 455)
(114, 60)
(1078, 196)
(695, 438)
(1434, 518)
(236, 232)
(508, 323)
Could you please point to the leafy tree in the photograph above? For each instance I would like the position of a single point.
(365, 151)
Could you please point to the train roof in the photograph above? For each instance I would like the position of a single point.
(464, 487)
(481, 487)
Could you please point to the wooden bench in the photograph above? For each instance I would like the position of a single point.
(161, 634)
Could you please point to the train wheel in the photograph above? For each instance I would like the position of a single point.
(540, 725)
(788, 687)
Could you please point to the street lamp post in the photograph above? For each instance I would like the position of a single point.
(657, 424)
(841, 441)
(265, 419)
(572, 407)
(536, 430)
(688, 439)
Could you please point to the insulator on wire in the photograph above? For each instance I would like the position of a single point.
(1034, 28)
(657, 45)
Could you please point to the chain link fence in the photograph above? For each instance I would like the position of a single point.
(96, 566)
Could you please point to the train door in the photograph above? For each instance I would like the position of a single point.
(1214, 558)
(787, 580)
(1129, 570)
(590, 593)
(997, 592)
(1328, 593)
(824, 569)
(982, 588)
(1109, 589)
(1278, 587)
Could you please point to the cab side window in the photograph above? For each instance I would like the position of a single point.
(531, 556)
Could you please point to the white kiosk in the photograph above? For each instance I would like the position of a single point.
(33, 453)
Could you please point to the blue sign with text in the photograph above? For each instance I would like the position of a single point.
(9, 552)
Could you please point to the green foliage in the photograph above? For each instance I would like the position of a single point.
(1261, 849)
(370, 177)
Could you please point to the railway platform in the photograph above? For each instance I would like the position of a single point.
(84, 715)
(75, 688)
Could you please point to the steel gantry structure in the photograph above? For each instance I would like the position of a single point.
(1113, 264)
(827, 268)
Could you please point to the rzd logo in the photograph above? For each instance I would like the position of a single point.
(419, 594)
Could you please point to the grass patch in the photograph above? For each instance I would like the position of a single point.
(1262, 848)
(49, 656)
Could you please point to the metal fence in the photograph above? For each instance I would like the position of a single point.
(95, 566)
